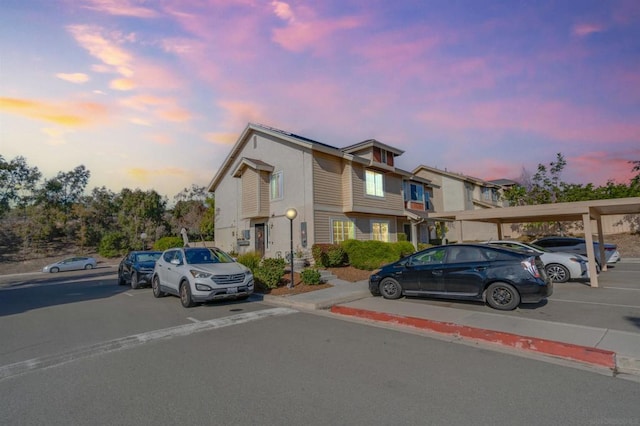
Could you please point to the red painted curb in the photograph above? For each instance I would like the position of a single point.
(585, 354)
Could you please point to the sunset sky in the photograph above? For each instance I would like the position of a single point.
(152, 94)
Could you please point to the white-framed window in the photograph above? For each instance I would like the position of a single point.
(380, 230)
(276, 185)
(341, 230)
(374, 182)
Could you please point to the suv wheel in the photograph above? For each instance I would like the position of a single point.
(135, 283)
(185, 295)
(155, 286)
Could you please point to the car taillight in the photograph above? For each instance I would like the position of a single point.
(529, 265)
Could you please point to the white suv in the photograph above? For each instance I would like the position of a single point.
(198, 274)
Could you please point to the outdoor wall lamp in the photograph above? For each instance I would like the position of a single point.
(291, 214)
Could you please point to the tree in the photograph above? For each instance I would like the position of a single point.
(17, 183)
(193, 208)
(139, 212)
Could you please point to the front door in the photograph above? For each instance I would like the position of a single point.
(260, 239)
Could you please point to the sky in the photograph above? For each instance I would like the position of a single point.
(152, 94)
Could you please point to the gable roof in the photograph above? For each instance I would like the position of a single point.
(459, 176)
(301, 141)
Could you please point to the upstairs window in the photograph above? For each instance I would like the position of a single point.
(374, 183)
(276, 186)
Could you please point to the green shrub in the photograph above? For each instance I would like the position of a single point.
(270, 272)
(311, 277)
(112, 244)
(369, 255)
(328, 255)
(336, 256)
(251, 260)
(319, 253)
(166, 243)
(403, 248)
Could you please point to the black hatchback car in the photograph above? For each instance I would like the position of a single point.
(501, 277)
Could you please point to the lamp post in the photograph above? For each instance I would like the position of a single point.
(291, 214)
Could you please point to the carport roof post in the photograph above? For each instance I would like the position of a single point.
(583, 211)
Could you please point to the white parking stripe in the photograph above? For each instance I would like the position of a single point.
(595, 303)
(130, 342)
(622, 288)
(193, 319)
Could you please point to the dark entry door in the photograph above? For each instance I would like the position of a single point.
(260, 238)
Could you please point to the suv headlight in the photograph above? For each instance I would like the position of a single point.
(199, 274)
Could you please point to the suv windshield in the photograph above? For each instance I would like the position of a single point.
(205, 255)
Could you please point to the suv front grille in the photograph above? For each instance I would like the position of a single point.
(228, 279)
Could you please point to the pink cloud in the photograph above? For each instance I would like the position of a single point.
(121, 7)
(600, 167)
(586, 29)
(300, 36)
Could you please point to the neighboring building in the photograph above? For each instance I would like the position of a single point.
(458, 192)
(353, 192)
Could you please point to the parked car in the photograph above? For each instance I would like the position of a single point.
(198, 274)
(578, 245)
(136, 268)
(501, 277)
(560, 266)
(71, 264)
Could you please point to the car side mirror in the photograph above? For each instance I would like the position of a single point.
(175, 262)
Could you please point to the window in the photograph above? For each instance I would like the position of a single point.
(342, 230)
(413, 192)
(277, 186)
(486, 194)
(374, 184)
(380, 230)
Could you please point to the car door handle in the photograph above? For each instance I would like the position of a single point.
(481, 268)
(437, 272)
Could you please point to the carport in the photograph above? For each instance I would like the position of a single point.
(584, 211)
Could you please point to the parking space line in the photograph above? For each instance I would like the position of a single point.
(622, 288)
(130, 342)
(193, 319)
(596, 303)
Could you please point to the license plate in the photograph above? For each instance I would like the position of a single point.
(232, 290)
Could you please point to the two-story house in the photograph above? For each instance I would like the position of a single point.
(457, 192)
(355, 192)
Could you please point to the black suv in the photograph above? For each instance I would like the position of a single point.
(137, 268)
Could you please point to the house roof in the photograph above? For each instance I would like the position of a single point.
(251, 163)
(287, 136)
(459, 176)
(370, 143)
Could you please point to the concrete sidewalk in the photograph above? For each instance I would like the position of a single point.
(604, 348)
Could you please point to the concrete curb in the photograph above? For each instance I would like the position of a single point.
(314, 305)
(568, 351)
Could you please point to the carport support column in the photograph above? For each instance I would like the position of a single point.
(591, 255)
(499, 225)
(601, 244)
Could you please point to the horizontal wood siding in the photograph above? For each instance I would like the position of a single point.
(327, 180)
(322, 227)
(392, 199)
(264, 193)
(347, 186)
(249, 193)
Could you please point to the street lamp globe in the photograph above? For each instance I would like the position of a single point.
(291, 213)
